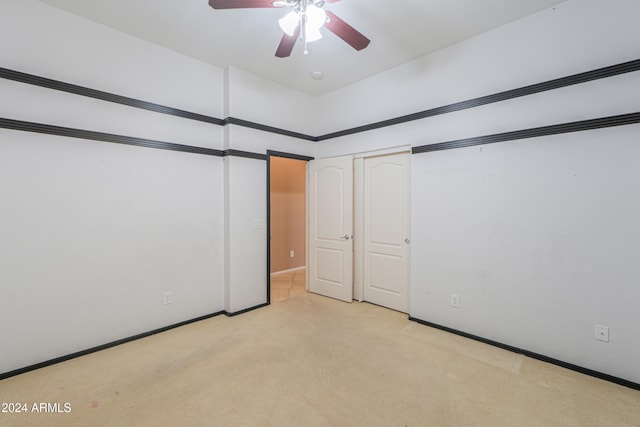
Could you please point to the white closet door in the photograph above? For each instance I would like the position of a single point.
(386, 231)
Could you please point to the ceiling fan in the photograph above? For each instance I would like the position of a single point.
(303, 21)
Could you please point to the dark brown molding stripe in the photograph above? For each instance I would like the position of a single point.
(121, 139)
(579, 126)
(604, 122)
(245, 154)
(600, 73)
(270, 129)
(289, 155)
(104, 137)
(136, 103)
(104, 96)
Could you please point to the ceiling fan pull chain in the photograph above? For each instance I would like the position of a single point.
(303, 25)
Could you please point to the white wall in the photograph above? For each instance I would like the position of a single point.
(257, 141)
(55, 44)
(143, 221)
(93, 233)
(575, 36)
(539, 239)
(262, 101)
(246, 244)
(258, 100)
(539, 236)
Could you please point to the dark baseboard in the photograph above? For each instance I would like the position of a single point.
(115, 343)
(246, 310)
(537, 356)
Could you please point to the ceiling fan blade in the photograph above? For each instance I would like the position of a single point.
(286, 44)
(346, 32)
(240, 4)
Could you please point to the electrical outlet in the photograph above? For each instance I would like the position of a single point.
(166, 298)
(292, 253)
(455, 300)
(602, 333)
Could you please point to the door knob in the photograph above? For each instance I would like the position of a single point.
(346, 237)
(407, 241)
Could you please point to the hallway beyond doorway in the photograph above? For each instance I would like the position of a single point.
(288, 284)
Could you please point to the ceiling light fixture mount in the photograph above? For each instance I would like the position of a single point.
(304, 21)
(308, 15)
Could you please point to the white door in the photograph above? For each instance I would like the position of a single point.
(331, 227)
(386, 231)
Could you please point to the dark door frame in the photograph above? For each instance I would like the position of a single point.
(286, 156)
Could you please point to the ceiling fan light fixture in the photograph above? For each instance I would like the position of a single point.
(313, 34)
(304, 22)
(289, 23)
(316, 17)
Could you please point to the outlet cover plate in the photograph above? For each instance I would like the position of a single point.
(602, 333)
(166, 298)
(455, 300)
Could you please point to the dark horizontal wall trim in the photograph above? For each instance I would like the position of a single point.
(105, 346)
(604, 122)
(121, 139)
(123, 341)
(271, 129)
(136, 103)
(584, 125)
(289, 155)
(245, 154)
(600, 73)
(104, 96)
(596, 374)
(104, 137)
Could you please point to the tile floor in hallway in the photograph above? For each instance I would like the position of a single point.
(288, 285)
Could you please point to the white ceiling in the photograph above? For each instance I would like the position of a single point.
(400, 30)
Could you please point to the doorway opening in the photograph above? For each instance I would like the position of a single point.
(286, 219)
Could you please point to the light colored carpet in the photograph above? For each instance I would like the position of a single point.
(313, 361)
